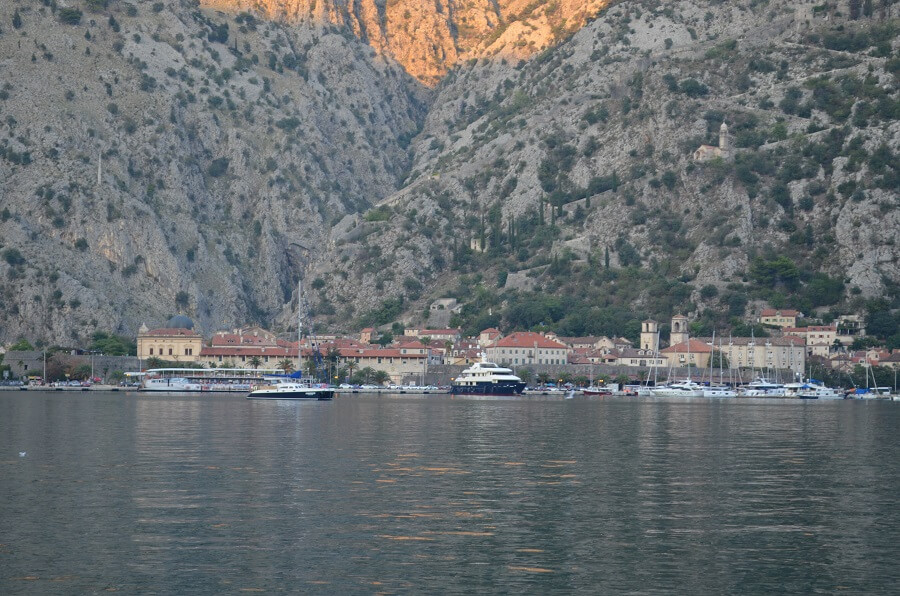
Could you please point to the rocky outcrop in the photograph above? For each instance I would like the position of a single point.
(430, 38)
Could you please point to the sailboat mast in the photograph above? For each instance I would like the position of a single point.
(299, 323)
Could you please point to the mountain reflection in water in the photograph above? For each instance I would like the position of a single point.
(399, 493)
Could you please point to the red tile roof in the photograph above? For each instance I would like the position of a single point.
(528, 339)
(696, 347)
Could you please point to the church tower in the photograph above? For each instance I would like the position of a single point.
(649, 337)
(724, 143)
(679, 333)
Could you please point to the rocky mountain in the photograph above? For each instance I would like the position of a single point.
(573, 175)
(162, 157)
(429, 38)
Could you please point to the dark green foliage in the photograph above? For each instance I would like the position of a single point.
(17, 20)
(693, 88)
(218, 167)
(780, 271)
(822, 290)
(96, 5)
(389, 311)
(288, 124)
(218, 33)
(112, 345)
(709, 291)
(70, 16)
(13, 257)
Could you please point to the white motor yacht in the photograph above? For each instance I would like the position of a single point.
(681, 389)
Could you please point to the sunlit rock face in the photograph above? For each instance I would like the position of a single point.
(430, 38)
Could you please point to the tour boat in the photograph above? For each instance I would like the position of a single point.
(487, 378)
(173, 384)
(205, 380)
(288, 388)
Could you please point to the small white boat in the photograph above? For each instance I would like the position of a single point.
(291, 389)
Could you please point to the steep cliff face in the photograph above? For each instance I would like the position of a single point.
(228, 148)
(430, 38)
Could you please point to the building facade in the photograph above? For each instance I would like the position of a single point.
(527, 348)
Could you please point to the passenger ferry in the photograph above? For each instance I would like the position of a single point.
(487, 378)
(206, 380)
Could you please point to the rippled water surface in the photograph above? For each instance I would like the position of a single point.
(403, 494)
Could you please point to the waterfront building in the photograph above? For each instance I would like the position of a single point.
(527, 347)
(640, 358)
(692, 352)
(762, 353)
(175, 342)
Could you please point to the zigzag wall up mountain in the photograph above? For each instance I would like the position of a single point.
(239, 154)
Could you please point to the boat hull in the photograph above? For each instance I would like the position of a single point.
(312, 393)
(499, 388)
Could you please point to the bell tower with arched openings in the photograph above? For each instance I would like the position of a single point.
(679, 333)
(649, 335)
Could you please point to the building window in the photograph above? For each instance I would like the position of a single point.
(151, 351)
(170, 351)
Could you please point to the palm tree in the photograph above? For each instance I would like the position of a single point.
(381, 377)
(254, 361)
(351, 364)
(286, 365)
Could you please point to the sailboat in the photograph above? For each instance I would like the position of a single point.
(686, 388)
(720, 390)
(293, 386)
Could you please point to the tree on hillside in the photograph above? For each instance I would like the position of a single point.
(23, 345)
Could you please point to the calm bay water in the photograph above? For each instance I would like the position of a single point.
(433, 494)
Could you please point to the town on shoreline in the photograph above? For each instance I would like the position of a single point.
(416, 355)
